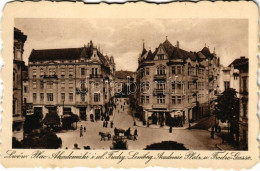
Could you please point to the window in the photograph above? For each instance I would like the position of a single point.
(173, 85)
(142, 99)
(179, 69)
(62, 72)
(161, 85)
(173, 99)
(161, 99)
(142, 72)
(70, 84)
(178, 99)
(226, 85)
(41, 72)
(160, 57)
(34, 97)
(63, 96)
(244, 110)
(41, 97)
(82, 71)
(34, 84)
(96, 97)
(161, 70)
(82, 84)
(147, 99)
(52, 71)
(34, 72)
(42, 85)
(70, 72)
(63, 85)
(179, 85)
(173, 70)
(25, 89)
(82, 97)
(147, 71)
(244, 85)
(190, 70)
(50, 85)
(50, 97)
(71, 97)
(94, 71)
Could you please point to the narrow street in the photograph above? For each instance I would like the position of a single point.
(192, 139)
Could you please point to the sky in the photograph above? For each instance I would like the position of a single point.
(123, 38)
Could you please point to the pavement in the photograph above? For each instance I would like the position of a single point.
(194, 139)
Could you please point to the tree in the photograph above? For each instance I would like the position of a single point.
(166, 145)
(32, 122)
(69, 119)
(227, 109)
(119, 145)
(51, 119)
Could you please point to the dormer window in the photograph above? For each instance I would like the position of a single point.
(160, 57)
(94, 55)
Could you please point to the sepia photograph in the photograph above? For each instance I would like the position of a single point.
(130, 84)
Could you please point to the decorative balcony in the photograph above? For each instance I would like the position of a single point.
(95, 76)
(81, 90)
(50, 76)
(160, 76)
(158, 91)
(162, 106)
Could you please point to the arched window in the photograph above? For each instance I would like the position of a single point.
(161, 70)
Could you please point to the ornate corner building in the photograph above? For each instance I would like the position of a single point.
(176, 83)
(73, 80)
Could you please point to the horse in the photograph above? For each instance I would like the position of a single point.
(104, 135)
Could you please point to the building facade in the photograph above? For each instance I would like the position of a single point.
(176, 83)
(125, 82)
(242, 65)
(71, 80)
(18, 66)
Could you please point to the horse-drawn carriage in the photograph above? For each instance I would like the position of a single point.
(121, 134)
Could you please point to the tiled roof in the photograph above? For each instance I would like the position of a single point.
(239, 61)
(123, 74)
(55, 54)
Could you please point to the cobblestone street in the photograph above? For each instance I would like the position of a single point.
(192, 139)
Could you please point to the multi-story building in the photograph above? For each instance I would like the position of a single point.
(124, 83)
(70, 80)
(242, 65)
(228, 78)
(174, 82)
(18, 65)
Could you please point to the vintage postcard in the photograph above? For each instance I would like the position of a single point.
(130, 85)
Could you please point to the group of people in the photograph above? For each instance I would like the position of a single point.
(105, 124)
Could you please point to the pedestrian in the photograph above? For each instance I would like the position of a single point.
(135, 133)
(80, 132)
(111, 124)
(212, 134)
(104, 124)
(84, 129)
(170, 130)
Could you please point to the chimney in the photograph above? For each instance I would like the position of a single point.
(178, 44)
(242, 57)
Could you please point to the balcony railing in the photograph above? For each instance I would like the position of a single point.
(50, 76)
(95, 76)
(159, 106)
(81, 90)
(158, 91)
(162, 76)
